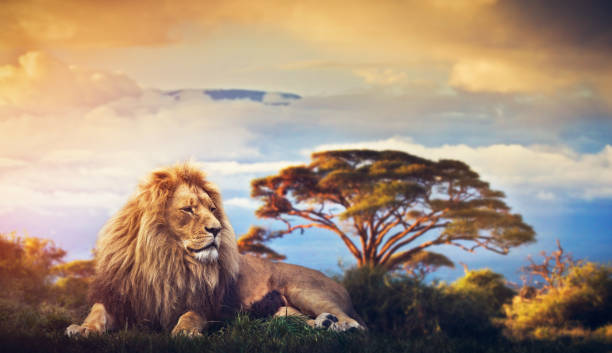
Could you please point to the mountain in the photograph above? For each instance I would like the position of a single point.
(268, 98)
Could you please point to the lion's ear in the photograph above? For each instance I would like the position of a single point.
(162, 180)
(160, 185)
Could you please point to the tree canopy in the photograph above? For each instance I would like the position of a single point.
(252, 242)
(389, 206)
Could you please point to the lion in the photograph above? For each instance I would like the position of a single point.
(169, 260)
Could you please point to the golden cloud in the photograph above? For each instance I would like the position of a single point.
(487, 45)
(503, 77)
(42, 83)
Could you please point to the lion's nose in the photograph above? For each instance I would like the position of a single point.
(213, 231)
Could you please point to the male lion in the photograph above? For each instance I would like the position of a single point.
(169, 259)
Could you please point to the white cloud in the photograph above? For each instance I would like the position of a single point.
(535, 170)
(546, 196)
(242, 202)
(233, 167)
(50, 201)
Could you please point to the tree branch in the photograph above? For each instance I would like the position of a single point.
(323, 222)
(406, 255)
(386, 254)
(432, 217)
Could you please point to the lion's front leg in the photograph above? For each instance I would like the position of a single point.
(285, 311)
(189, 324)
(98, 321)
(329, 311)
(323, 320)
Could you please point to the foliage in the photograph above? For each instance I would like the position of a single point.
(425, 262)
(486, 288)
(403, 314)
(26, 266)
(26, 330)
(582, 298)
(399, 305)
(32, 272)
(253, 243)
(383, 204)
(551, 272)
(70, 289)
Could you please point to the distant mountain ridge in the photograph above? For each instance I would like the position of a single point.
(269, 98)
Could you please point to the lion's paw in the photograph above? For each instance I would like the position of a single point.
(186, 332)
(75, 330)
(331, 322)
(325, 321)
(347, 325)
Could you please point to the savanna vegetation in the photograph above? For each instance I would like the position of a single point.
(41, 295)
(390, 209)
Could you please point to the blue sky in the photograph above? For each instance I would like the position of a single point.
(520, 91)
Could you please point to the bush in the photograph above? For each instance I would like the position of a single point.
(582, 298)
(401, 306)
(32, 273)
(487, 288)
(26, 265)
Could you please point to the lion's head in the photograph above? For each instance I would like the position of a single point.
(170, 249)
(193, 217)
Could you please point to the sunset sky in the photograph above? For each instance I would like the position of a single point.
(95, 94)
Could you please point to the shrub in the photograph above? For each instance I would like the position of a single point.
(400, 305)
(25, 266)
(486, 287)
(582, 298)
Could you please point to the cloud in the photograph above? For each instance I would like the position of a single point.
(11, 163)
(544, 171)
(95, 153)
(237, 176)
(56, 201)
(42, 83)
(382, 77)
(525, 45)
(242, 202)
(233, 167)
(498, 76)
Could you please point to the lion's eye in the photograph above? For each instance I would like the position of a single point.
(188, 209)
(213, 209)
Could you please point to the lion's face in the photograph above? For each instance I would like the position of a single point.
(190, 214)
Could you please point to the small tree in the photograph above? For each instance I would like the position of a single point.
(26, 266)
(389, 206)
(551, 273)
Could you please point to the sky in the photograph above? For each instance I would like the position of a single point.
(96, 94)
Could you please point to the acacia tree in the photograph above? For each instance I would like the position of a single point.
(252, 242)
(390, 206)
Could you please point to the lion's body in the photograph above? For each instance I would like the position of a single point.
(169, 258)
(308, 291)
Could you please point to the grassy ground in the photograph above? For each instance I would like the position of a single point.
(23, 329)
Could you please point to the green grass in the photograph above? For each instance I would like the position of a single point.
(23, 329)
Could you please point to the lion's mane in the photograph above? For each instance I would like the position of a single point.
(143, 275)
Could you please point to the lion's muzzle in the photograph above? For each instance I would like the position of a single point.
(209, 246)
